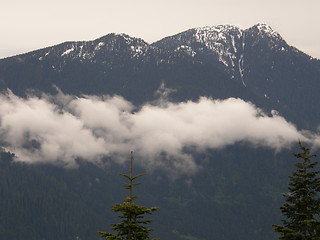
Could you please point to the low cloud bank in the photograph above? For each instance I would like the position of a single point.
(60, 129)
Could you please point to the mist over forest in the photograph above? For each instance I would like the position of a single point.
(212, 114)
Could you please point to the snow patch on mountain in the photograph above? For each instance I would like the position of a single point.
(99, 46)
(225, 44)
(266, 29)
(187, 49)
(219, 40)
(103, 47)
(68, 51)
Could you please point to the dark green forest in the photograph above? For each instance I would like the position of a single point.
(55, 203)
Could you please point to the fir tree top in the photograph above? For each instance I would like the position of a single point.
(132, 224)
(302, 202)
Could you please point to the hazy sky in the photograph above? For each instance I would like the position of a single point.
(33, 24)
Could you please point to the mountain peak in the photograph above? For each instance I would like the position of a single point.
(214, 34)
(89, 50)
(265, 30)
(263, 27)
(120, 36)
(218, 28)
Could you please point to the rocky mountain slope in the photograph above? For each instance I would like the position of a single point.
(260, 59)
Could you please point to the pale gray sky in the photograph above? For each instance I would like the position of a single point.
(34, 24)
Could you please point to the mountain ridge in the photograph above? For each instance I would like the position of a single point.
(262, 28)
(257, 58)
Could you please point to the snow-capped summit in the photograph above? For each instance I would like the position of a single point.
(216, 32)
(266, 29)
(89, 51)
(221, 40)
(224, 44)
(262, 33)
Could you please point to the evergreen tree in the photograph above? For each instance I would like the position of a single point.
(302, 203)
(132, 225)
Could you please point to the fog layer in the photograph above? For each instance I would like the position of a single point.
(60, 129)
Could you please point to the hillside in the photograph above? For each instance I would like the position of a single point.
(212, 114)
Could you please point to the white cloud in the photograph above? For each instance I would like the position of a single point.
(59, 129)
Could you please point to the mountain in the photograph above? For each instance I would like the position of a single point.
(238, 190)
(115, 64)
(255, 64)
(261, 60)
(224, 44)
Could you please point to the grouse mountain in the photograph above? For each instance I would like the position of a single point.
(211, 113)
(255, 64)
